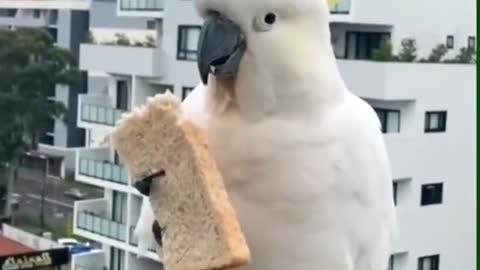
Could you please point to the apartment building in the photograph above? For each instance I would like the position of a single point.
(67, 23)
(427, 110)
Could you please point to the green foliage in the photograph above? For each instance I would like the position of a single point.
(90, 38)
(150, 42)
(438, 53)
(467, 56)
(30, 68)
(384, 52)
(408, 51)
(122, 39)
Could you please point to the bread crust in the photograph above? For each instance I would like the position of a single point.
(200, 227)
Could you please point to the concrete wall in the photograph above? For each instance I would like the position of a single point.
(103, 15)
(179, 73)
(447, 229)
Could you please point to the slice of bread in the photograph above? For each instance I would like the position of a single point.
(200, 227)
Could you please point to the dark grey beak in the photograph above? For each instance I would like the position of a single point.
(220, 48)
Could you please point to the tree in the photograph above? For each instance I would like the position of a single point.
(408, 52)
(122, 39)
(384, 52)
(467, 55)
(438, 53)
(30, 68)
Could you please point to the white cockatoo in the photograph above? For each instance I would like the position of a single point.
(303, 159)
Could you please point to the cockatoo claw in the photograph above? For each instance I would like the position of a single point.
(157, 232)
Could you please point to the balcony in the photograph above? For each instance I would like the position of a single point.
(395, 81)
(94, 260)
(95, 167)
(97, 111)
(91, 221)
(126, 60)
(20, 21)
(46, 4)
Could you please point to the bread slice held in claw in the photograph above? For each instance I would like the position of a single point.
(200, 230)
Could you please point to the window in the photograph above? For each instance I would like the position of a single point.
(472, 42)
(361, 45)
(186, 91)
(53, 33)
(46, 139)
(450, 42)
(151, 24)
(429, 262)
(117, 259)
(187, 42)
(391, 263)
(122, 95)
(119, 204)
(395, 192)
(36, 13)
(8, 12)
(390, 120)
(432, 194)
(50, 126)
(436, 121)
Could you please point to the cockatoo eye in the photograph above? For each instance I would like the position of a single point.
(265, 22)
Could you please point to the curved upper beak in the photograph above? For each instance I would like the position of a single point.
(220, 48)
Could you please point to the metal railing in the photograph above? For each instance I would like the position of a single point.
(104, 170)
(340, 7)
(80, 267)
(141, 5)
(92, 223)
(100, 114)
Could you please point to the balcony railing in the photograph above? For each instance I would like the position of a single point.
(340, 7)
(141, 5)
(100, 114)
(92, 223)
(104, 170)
(79, 267)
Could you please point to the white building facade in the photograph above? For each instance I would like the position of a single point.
(427, 111)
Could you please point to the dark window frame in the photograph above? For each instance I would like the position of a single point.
(122, 92)
(435, 262)
(472, 42)
(450, 42)
(186, 89)
(443, 121)
(435, 199)
(36, 13)
(387, 35)
(391, 262)
(395, 193)
(386, 111)
(181, 43)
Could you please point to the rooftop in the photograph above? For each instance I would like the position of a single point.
(10, 247)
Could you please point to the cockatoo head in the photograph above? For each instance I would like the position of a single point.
(273, 53)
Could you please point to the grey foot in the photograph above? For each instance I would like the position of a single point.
(157, 232)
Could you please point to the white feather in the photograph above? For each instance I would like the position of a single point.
(143, 229)
(309, 176)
